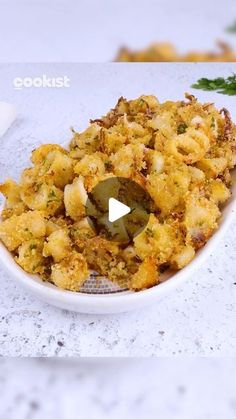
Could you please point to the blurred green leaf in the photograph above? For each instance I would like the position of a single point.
(224, 86)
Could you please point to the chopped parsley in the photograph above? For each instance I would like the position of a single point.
(181, 128)
(225, 86)
(51, 196)
(213, 122)
(149, 232)
(33, 246)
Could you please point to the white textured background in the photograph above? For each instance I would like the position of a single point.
(129, 389)
(93, 30)
(198, 319)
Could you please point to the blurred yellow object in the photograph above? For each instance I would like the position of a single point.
(166, 52)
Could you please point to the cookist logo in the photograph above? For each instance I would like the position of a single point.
(43, 81)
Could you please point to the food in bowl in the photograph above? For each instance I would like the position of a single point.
(166, 52)
(180, 152)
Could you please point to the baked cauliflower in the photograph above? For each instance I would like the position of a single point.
(181, 153)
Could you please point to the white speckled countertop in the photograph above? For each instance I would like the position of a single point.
(198, 319)
(129, 389)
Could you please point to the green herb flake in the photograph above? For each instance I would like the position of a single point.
(51, 194)
(33, 246)
(149, 232)
(213, 122)
(181, 128)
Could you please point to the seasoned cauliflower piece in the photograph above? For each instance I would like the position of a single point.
(75, 197)
(43, 197)
(20, 228)
(112, 140)
(92, 168)
(81, 231)
(90, 165)
(168, 190)
(156, 240)
(197, 176)
(147, 275)
(129, 159)
(218, 191)
(189, 147)
(30, 256)
(151, 101)
(13, 204)
(182, 257)
(70, 273)
(212, 167)
(40, 154)
(86, 142)
(101, 254)
(200, 219)
(164, 123)
(56, 223)
(58, 245)
(155, 161)
(57, 168)
(52, 165)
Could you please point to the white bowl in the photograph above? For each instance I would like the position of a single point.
(120, 301)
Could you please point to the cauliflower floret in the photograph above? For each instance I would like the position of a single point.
(42, 197)
(53, 165)
(13, 204)
(81, 231)
(112, 140)
(92, 168)
(151, 101)
(20, 228)
(40, 154)
(164, 123)
(156, 240)
(58, 245)
(30, 256)
(75, 198)
(183, 255)
(57, 168)
(90, 165)
(212, 167)
(86, 142)
(101, 254)
(147, 275)
(218, 191)
(155, 161)
(168, 190)
(200, 219)
(197, 176)
(129, 159)
(71, 272)
(189, 147)
(55, 223)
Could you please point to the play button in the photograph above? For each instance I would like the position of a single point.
(118, 209)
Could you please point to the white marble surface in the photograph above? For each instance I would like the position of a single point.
(93, 30)
(130, 389)
(198, 319)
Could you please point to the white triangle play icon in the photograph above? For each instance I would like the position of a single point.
(116, 210)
